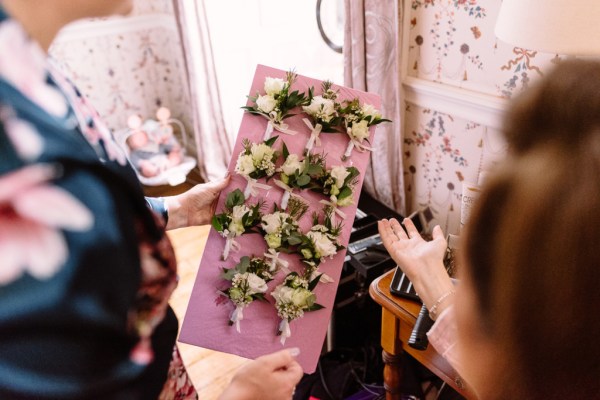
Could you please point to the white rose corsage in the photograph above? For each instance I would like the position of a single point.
(323, 111)
(256, 161)
(338, 184)
(281, 229)
(249, 280)
(357, 120)
(293, 297)
(296, 173)
(277, 101)
(320, 242)
(237, 219)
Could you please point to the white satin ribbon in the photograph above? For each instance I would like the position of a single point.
(230, 244)
(277, 262)
(324, 277)
(315, 131)
(271, 125)
(354, 143)
(253, 186)
(236, 316)
(284, 330)
(334, 206)
(286, 194)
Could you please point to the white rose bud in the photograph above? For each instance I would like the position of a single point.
(300, 297)
(273, 240)
(238, 212)
(323, 245)
(274, 86)
(271, 223)
(369, 111)
(360, 130)
(292, 164)
(244, 165)
(339, 173)
(321, 108)
(236, 227)
(283, 294)
(256, 283)
(261, 152)
(266, 103)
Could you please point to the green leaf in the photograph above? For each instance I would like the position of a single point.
(244, 264)
(294, 239)
(228, 274)
(269, 142)
(345, 192)
(217, 224)
(234, 198)
(260, 297)
(315, 170)
(303, 180)
(313, 284)
(286, 152)
(315, 307)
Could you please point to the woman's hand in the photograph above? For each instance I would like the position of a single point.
(196, 206)
(421, 261)
(270, 377)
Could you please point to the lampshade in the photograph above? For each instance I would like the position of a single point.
(552, 26)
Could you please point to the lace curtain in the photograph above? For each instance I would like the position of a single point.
(214, 147)
(371, 63)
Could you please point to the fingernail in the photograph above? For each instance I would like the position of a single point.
(294, 351)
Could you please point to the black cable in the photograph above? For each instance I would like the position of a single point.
(320, 369)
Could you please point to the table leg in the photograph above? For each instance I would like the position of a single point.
(392, 352)
(392, 375)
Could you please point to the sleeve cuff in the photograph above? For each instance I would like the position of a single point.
(159, 206)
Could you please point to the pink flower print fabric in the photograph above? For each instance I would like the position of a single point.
(32, 214)
(23, 135)
(23, 64)
(91, 124)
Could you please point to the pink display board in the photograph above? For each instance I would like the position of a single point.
(206, 320)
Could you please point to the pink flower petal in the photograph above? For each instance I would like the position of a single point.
(19, 180)
(47, 251)
(26, 246)
(24, 137)
(53, 206)
(11, 264)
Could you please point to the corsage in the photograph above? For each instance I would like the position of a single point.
(293, 297)
(255, 162)
(249, 280)
(237, 219)
(276, 103)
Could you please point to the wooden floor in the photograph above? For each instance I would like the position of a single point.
(210, 371)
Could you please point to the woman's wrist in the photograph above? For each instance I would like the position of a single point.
(431, 286)
(176, 218)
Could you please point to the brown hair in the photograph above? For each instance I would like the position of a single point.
(533, 242)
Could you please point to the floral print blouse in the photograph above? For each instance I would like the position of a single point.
(85, 267)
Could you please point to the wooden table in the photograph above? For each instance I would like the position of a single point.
(397, 321)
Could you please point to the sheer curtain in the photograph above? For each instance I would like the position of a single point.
(371, 63)
(214, 146)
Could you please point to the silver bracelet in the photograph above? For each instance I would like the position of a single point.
(434, 307)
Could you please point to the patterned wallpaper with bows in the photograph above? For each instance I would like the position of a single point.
(128, 66)
(452, 42)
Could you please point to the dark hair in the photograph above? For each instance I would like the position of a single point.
(562, 106)
(533, 242)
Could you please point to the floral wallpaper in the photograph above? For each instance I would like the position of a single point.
(452, 42)
(441, 153)
(128, 65)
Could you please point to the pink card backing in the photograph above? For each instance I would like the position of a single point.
(206, 320)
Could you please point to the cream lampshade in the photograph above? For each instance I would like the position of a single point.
(552, 26)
